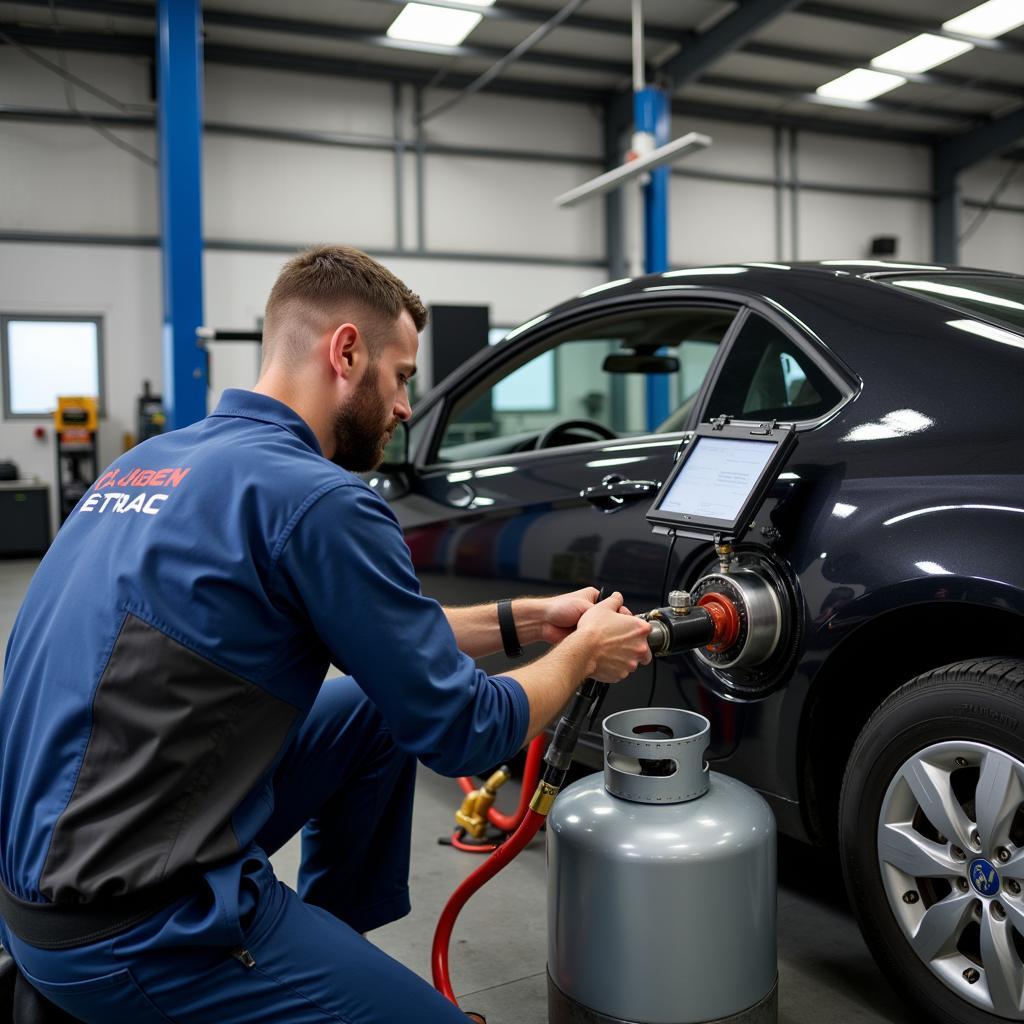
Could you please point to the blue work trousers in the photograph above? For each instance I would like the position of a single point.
(248, 948)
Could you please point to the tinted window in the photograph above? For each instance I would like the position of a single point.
(572, 377)
(999, 298)
(767, 376)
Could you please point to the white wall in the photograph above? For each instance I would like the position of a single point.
(67, 179)
(122, 285)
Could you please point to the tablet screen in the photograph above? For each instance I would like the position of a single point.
(717, 478)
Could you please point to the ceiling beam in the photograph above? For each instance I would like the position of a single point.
(330, 30)
(770, 118)
(143, 46)
(912, 26)
(343, 33)
(506, 10)
(699, 53)
(503, 10)
(881, 106)
(956, 154)
(939, 79)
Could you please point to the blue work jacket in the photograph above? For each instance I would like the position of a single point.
(175, 636)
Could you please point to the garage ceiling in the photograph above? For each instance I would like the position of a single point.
(757, 60)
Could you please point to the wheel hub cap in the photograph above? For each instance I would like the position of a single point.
(984, 877)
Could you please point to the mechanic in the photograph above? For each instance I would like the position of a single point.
(165, 723)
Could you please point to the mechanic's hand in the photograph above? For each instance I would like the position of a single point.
(561, 613)
(617, 640)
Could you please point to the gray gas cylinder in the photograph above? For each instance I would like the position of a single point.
(661, 885)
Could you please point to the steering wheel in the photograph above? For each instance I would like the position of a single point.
(560, 432)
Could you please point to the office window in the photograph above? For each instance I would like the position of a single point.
(44, 357)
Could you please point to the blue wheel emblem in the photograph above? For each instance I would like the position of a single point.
(983, 877)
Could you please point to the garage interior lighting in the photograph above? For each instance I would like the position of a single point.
(697, 271)
(859, 85)
(988, 20)
(984, 330)
(439, 26)
(955, 292)
(604, 287)
(920, 54)
(887, 264)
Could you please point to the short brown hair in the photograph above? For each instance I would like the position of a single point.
(325, 281)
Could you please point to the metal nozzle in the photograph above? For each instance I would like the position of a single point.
(471, 817)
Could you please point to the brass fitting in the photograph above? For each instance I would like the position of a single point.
(724, 551)
(471, 817)
(543, 798)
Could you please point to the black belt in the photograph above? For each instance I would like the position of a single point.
(64, 925)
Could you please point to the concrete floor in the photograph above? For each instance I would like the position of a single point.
(498, 952)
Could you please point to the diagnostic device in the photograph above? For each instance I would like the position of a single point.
(721, 478)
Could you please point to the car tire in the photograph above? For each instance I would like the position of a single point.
(943, 915)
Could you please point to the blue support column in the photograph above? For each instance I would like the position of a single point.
(652, 114)
(180, 71)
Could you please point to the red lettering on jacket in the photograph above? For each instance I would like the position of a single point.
(178, 474)
(159, 477)
(129, 478)
(144, 478)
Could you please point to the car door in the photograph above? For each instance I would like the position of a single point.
(496, 515)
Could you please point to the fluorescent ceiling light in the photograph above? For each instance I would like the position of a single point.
(440, 26)
(988, 20)
(922, 53)
(859, 85)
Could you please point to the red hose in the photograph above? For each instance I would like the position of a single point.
(531, 773)
(529, 827)
(472, 847)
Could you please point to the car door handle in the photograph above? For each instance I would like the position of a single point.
(614, 492)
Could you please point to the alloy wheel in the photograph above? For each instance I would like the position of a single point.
(951, 856)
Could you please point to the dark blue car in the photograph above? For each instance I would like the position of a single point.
(884, 709)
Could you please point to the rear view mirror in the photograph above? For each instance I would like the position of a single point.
(633, 363)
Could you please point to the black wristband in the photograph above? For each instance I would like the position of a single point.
(507, 625)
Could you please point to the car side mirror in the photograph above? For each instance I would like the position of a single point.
(396, 451)
(634, 363)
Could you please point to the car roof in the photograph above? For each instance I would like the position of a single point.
(765, 276)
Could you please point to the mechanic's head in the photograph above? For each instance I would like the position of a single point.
(339, 346)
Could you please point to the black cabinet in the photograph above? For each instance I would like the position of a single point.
(24, 518)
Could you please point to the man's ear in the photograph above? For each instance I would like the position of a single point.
(345, 349)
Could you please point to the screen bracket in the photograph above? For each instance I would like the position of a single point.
(720, 479)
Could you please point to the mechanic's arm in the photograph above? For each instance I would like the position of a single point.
(547, 619)
(344, 565)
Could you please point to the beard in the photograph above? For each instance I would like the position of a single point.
(362, 428)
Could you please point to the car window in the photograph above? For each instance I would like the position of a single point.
(767, 376)
(586, 383)
(1001, 298)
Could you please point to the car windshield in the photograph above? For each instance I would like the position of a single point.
(998, 298)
